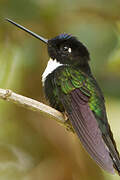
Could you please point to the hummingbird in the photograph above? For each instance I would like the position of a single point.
(71, 88)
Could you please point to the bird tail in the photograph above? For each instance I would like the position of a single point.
(109, 140)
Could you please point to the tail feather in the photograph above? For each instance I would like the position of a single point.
(109, 140)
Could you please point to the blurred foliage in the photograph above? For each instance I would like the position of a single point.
(32, 147)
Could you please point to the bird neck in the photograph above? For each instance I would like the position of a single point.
(85, 68)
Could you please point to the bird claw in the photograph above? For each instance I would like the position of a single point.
(67, 123)
(65, 116)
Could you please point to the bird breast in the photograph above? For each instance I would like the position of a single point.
(51, 66)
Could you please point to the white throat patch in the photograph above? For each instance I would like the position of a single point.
(51, 66)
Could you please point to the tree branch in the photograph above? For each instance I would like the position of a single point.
(33, 105)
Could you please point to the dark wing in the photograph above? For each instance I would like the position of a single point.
(86, 127)
(76, 104)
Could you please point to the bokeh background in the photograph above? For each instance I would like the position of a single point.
(32, 146)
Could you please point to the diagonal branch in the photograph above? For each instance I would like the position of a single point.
(33, 105)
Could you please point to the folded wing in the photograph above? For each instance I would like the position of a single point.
(86, 127)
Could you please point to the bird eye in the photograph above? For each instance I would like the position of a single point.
(67, 49)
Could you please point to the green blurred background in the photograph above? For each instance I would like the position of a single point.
(31, 146)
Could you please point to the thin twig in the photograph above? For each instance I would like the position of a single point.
(33, 105)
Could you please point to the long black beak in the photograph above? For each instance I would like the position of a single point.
(28, 31)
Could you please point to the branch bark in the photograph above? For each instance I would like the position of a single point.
(33, 105)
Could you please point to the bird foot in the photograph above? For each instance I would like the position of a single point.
(67, 123)
(65, 116)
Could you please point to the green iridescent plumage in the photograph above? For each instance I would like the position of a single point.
(71, 78)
